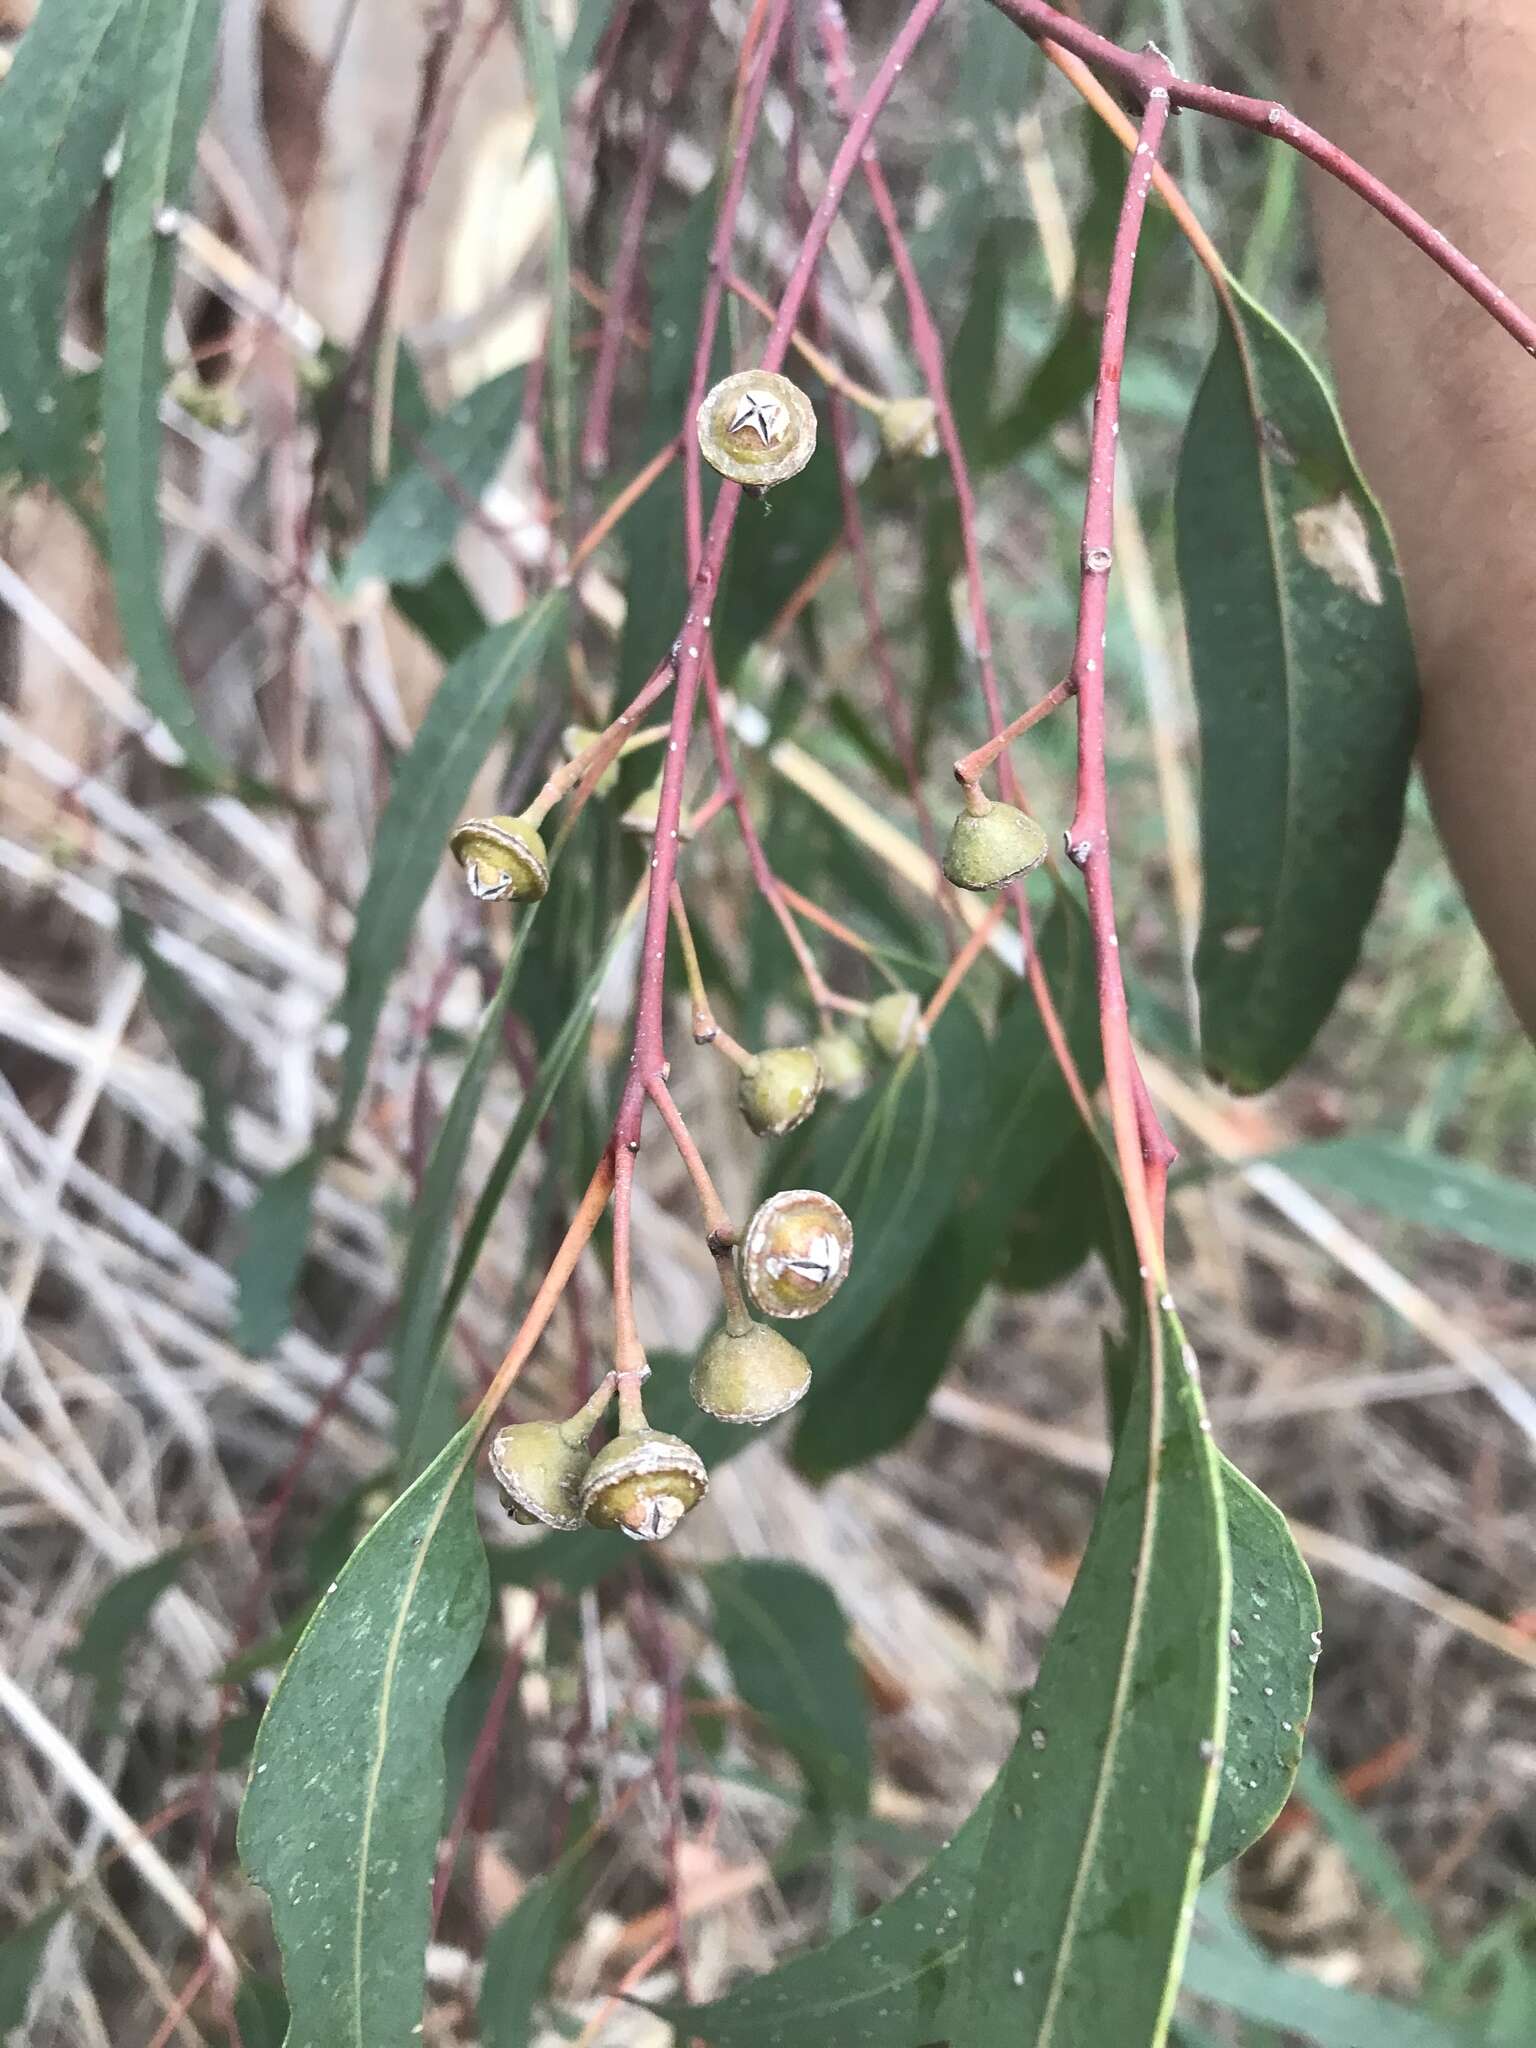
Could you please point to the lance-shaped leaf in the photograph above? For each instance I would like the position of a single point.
(786, 1641)
(1275, 1631)
(118, 1617)
(1028, 1123)
(411, 532)
(1425, 1188)
(345, 1800)
(430, 786)
(60, 106)
(895, 1159)
(521, 1948)
(1099, 1831)
(1305, 685)
(169, 79)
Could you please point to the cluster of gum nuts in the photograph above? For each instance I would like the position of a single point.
(758, 429)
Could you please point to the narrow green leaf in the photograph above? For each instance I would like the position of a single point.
(430, 786)
(271, 1254)
(430, 1307)
(1369, 1857)
(656, 586)
(261, 2013)
(520, 1952)
(892, 1981)
(345, 1799)
(60, 106)
(1028, 1121)
(1305, 686)
(21, 1952)
(772, 553)
(1273, 1643)
(183, 1017)
(1251, 1984)
(411, 531)
(1099, 1832)
(168, 83)
(895, 1160)
(543, 66)
(1426, 1188)
(591, 22)
(118, 1616)
(786, 1641)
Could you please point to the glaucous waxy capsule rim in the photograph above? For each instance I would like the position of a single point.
(830, 1252)
(757, 428)
(770, 1356)
(639, 1455)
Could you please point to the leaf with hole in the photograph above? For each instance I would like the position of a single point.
(1306, 692)
(345, 1799)
(786, 1641)
(1103, 1811)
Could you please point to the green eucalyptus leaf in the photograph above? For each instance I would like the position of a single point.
(895, 1159)
(261, 2013)
(1099, 1831)
(1247, 1982)
(1425, 1188)
(345, 1800)
(543, 65)
(521, 1948)
(430, 786)
(1275, 1632)
(21, 1954)
(411, 531)
(891, 1981)
(183, 1017)
(1305, 686)
(119, 1615)
(169, 75)
(60, 106)
(1029, 1122)
(786, 1641)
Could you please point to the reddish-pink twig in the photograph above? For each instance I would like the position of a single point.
(1141, 1147)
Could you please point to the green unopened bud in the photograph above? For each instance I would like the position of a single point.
(540, 1472)
(749, 1375)
(643, 1483)
(844, 1064)
(909, 427)
(990, 847)
(779, 1090)
(503, 859)
(895, 1022)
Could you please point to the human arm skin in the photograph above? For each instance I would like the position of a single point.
(1438, 98)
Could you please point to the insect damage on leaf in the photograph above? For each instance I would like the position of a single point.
(1333, 537)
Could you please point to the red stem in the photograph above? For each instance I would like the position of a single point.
(1140, 73)
(1140, 1144)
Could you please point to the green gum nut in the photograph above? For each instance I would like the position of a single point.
(749, 1375)
(503, 859)
(844, 1066)
(992, 847)
(540, 1473)
(757, 428)
(895, 1022)
(910, 427)
(642, 1484)
(779, 1089)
